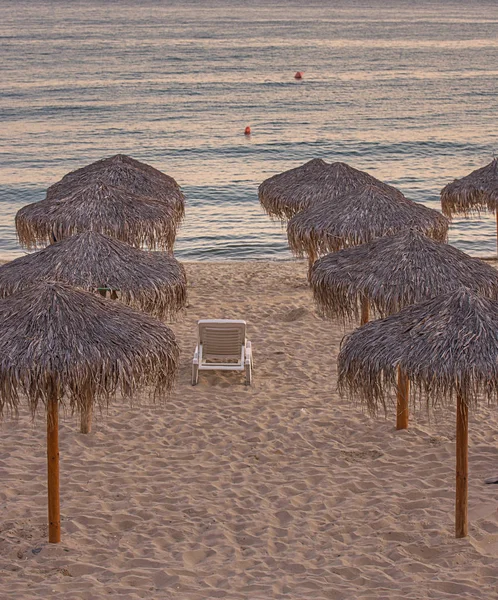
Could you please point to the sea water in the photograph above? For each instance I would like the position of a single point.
(404, 89)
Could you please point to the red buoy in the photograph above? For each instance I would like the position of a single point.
(298, 75)
(247, 130)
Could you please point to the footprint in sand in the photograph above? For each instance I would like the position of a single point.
(194, 557)
(294, 315)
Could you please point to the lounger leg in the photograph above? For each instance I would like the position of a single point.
(195, 374)
(248, 374)
(195, 366)
(248, 362)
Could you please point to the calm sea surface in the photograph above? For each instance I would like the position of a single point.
(405, 89)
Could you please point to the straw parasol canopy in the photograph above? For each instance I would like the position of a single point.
(113, 211)
(447, 346)
(358, 217)
(61, 345)
(393, 272)
(80, 344)
(154, 282)
(472, 193)
(123, 171)
(286, 194)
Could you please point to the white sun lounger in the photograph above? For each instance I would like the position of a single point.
(222, 345)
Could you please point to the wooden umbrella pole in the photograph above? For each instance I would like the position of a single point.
(403, 394)
(497, 226)
(312, 257)
(364, 311)
(86, 417)
(462, 466)
(54, 515)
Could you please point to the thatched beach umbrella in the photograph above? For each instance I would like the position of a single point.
(359, 217)
(447, 346)
(61, 345)
(113, 211)
(472, 193)
(153, 282)
(286, 194)
(393, 272)
(123, 171)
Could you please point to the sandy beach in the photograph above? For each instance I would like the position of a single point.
(278, 490)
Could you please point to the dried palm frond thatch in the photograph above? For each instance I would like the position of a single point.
(136, 220)
(472, 193)
(60, 345)
(393, 272)
(123, 171)
(359, 217)
(154, 282)
(55, 339)
(286, 194)
(447, 347)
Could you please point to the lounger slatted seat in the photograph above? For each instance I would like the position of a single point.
(222, 345)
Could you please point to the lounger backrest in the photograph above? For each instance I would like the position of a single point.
(222, 338)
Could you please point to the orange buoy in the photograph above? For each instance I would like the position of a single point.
(298, 75)
(247, 130)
